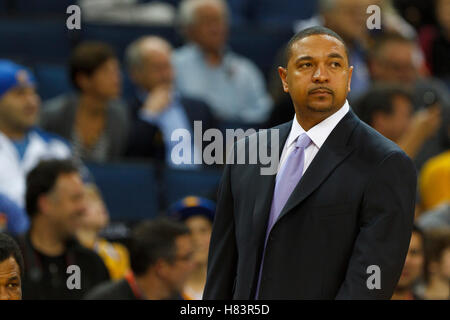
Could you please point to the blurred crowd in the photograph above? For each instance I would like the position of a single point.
(52, 207)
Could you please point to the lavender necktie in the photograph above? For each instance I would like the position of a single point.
(287, 179)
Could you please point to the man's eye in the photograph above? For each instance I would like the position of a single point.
(305, 65)
(13, 285)
(335, 64)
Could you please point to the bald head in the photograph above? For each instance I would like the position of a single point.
(149, 62)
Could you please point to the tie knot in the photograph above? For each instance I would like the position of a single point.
(303, 141)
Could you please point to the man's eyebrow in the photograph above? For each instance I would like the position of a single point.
(15, 278)
(302, 58)
(335, 55)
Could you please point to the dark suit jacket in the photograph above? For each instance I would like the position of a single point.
(353, 208)
(146, 139)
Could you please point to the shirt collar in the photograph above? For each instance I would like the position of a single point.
(320, 132)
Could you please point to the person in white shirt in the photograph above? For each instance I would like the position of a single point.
(22, 145)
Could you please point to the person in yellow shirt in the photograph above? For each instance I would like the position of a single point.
(434, 181)
(96, 217)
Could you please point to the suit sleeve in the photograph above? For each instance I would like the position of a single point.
(385, 230)
(222, 259)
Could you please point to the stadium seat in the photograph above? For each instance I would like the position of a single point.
(180, 183)
(120, 36)
(130, 190)
(43, 6)
(30, 40)
(52, 80)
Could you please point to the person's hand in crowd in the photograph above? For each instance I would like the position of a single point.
(158, 99)
(424, 124)
(427, 121)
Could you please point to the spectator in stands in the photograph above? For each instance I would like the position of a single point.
(397, 59)
(22, 145)
(13, 219)
(198, 214)
(55, 203)
(437, 249)
(413, 269)
(206, 68)
(158, 108)
(388, 108)
(11, 269)
(435, 218)
(434, 181)
(435, 41)
(96, 217)
(161, 254)
(92, 119)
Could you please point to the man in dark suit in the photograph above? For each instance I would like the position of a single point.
(336, 220)
(157, 108)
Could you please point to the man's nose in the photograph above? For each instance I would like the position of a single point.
(320, 74)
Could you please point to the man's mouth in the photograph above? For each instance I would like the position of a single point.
(321, 91)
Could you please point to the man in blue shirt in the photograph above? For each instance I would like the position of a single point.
(231, 84)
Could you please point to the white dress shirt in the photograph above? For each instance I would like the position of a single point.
(318, 134)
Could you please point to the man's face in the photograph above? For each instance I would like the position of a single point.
(181, 268)
(10, 281)
(65, 204)
(443, 14)
(413, 267)
(201, 229)
(348, 19)
(393, 126)
(157, 69)
(210, 29)
(317, 76)
(105, 81)
(396, 63)
(19, 108)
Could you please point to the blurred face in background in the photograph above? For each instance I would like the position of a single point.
(64, 206)
(395, 124)
(348, 18)
(19, 108)
(156, 68)
(201, 229)
(10, 282)
(177, 272)
(396, 62)
(443, 14)
(414, 263)
(210, 27)
(96, 215)
(105, 82)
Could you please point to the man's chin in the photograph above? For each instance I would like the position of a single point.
(320, 107)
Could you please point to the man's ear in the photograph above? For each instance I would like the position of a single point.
(283, 74)
(350, 72)
(43, 204)
(82, 80)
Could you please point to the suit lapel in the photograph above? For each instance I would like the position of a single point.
(330, 155)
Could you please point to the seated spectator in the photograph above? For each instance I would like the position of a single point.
(158, 108)
(413, 269)
(198, 214)
(95, 218)
(11, 269)
(55, 203)
(206, 68)
(435, 41)
(13, 219)
(161, 256)
(434, 181)
(22, 145)
(397, 59)
(389, 109)
(437, 249)
(92, 118)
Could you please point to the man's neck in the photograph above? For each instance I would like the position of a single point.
(213, 57)
(12, 133)
(152, 287)
(44, 239)
(438, 289)
(91, 105)
(197, 279)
